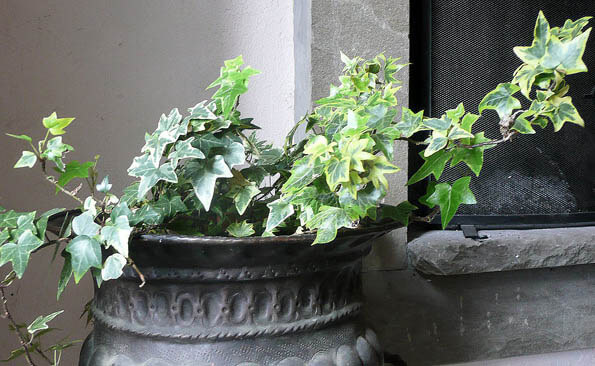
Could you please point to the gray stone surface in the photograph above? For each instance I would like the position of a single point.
(582, 357)
(449, 252)
(431, 320)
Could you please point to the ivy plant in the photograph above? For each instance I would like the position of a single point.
(204, 171)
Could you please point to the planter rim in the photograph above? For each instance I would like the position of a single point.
(174, 239)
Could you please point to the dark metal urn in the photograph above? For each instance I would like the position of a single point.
(227, 302)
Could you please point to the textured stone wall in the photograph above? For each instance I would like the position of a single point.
(365, 28)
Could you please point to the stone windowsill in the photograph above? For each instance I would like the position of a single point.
(450, 253)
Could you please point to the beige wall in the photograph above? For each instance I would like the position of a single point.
(116, 66)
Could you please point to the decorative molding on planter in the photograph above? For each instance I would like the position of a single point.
(450, 253)
(365, 351)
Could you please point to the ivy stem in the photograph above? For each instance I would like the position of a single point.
(6, 314)
(138, 272)
(52, 180)
(428, 218)
(487, 143)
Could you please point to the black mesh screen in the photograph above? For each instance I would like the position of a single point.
(470, 53)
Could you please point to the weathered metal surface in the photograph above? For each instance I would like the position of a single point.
(222, 301)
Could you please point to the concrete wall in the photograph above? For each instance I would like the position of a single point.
(116, 66)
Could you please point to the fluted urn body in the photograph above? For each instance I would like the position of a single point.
(226, 302)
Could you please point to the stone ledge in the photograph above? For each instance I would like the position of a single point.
(450, 253)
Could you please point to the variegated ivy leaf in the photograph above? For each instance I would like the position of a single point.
(526, 75)
(501, 100)
(184, 150)
(85, 253)
(437, 142)
(41, 322)
(201, 111)
(522, 124)
(468, 121)
(27, 160)
(449, 198)
(204, 174)
(168, 130)
(116, 234)
(130, 194)
(90, 206)
(104, 186)
(148, 215)
(437, 124)
(19, 253)
(327, 222)
(242, 191)
(54, 150)
(385, 144)
(454, 115)
(533, 54)
(378, 168)
(337, 172)
(303, 173)
(566, 56)
(150, 173)
(318, 146)
(355, 123)
(279, 211)
(121, 209)
(570, 29)
(56, 125)
(232, 151)
(240, 229)
(564, 112)
(456, 133)
(355, 150)
(410, 122)
(84, 224)
(112, 268)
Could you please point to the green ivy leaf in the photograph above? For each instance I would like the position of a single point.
(401, 212)
(566, 56)
(472, 157)
(533, 54)
(468, 121)
(112, 268)
(204, 175)
(434, 164)
(56, 125)
(85, 253)
(116, 234)
(84, 224)
(4, 236)
(20, 137)
(327, 222)
(130, 194)
(240, 229)
(19, 253)
(206, 142)
(501, 100)
(73, 170)
(65, 275)
(367, 198)
(27, 160)
(454, 115)
(42, 222)
(457, 133)
(145, 168)
(169, 206)
(449, 198)
(280, 210)
(385, 144)
(41, 322)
